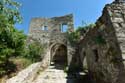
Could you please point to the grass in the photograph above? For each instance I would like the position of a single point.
(20, 63)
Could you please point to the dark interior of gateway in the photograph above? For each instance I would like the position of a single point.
(60, 55)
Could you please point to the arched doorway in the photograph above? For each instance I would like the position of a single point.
(59, 54)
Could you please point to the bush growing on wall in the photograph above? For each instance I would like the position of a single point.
(74, 37)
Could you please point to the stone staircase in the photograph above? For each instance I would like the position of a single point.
(51, 75)
(56, 74)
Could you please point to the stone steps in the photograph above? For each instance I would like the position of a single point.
(51, 75)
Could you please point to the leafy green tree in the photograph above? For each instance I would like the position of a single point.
(12, 41)
(9, 12)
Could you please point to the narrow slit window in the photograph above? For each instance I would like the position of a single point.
(96, 55)
(84, 53)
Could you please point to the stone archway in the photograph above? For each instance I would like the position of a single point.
(59, 54)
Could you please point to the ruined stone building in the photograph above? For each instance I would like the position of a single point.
(103, 46)
(52, 32)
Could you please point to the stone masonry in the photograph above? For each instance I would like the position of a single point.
(104, 45)
(50, 31)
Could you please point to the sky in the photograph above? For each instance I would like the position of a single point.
(87, 11)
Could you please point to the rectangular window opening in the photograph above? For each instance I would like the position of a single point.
(45, 28)
(64, 27)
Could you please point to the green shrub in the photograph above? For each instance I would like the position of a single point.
(74, 37)
(21, 62)
(35, 51)
(100, 40)
(65, 69)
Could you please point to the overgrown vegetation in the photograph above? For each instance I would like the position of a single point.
(80, 31)
(99, 39)
(11, 40)
(35, 51)
(13, 49)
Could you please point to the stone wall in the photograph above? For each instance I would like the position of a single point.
(46, 29)
(117, 16)
(103, 46)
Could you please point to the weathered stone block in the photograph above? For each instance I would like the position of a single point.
(117, 20)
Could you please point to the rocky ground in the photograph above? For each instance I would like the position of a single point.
(53, 74)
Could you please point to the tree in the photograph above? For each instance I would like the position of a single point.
(9, 12)
(12, 41)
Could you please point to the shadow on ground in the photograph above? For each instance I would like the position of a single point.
(74, 77)
(78, 78)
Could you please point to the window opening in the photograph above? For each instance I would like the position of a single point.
(64, 27)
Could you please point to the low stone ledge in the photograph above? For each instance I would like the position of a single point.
(26, 75)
